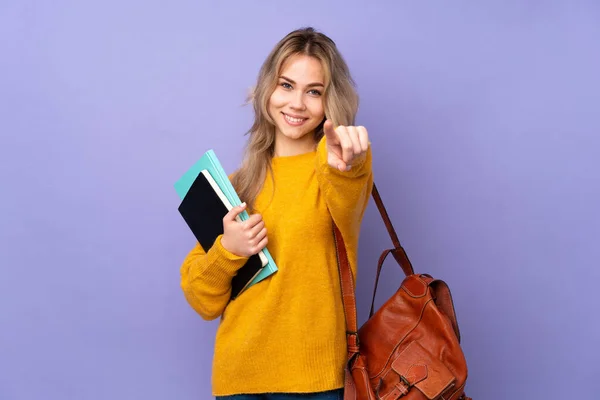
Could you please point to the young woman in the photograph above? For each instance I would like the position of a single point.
(306, 167)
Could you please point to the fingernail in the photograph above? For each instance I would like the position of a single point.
(348, 167)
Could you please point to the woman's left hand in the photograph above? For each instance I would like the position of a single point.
(345, 145)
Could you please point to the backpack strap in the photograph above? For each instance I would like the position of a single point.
(398, 252)
(385, 216)
(347, 280)
(348, 294)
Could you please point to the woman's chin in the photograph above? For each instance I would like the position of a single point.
(295, 134)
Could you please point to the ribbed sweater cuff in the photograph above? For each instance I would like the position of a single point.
(221, 267)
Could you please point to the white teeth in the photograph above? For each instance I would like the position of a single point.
(293, 120)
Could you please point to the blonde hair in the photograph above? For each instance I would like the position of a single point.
(340, 102)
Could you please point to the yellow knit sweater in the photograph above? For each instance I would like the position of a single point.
(286, 333)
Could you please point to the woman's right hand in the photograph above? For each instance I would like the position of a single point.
(246, 238)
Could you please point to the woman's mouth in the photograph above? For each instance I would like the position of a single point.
(293, 121)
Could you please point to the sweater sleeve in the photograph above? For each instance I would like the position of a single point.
(206, 278)
(346, 193)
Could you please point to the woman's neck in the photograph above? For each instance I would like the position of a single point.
(285, 146)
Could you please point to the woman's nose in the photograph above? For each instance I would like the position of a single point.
(297, 101)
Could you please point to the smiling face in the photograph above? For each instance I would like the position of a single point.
(296, 105)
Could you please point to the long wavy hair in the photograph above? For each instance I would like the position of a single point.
(340, 102)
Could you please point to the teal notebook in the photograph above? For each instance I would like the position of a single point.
(210, 162)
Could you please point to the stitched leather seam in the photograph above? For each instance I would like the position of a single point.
(388, 362)
(367, 385)
(446, 387)
(414, 296)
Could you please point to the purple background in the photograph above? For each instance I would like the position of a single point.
(485, 126)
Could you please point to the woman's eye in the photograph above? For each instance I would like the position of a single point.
(286, 85)
(315, 92)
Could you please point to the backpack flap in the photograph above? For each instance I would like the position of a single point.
(418, 368)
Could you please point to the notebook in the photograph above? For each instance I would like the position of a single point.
(210, 162)
(203, 209)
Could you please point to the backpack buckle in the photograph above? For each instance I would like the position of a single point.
(355, 335)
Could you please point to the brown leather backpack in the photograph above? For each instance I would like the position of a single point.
(410, 348)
